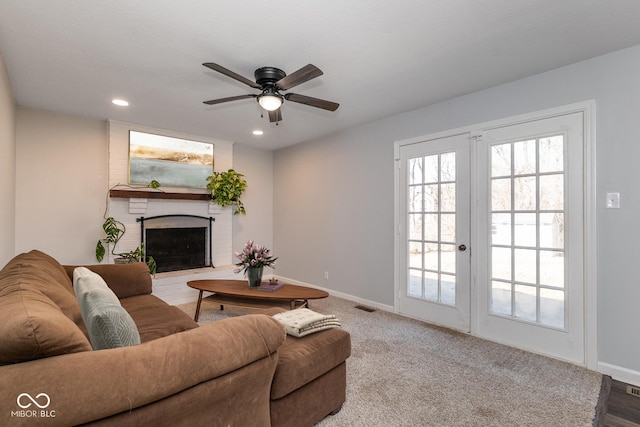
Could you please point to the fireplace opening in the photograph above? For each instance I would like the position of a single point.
(177, 242)
(177, 248)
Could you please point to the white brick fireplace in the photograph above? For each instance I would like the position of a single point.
(170, 286)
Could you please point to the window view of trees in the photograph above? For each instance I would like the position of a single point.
(432, 227)
(527, 230)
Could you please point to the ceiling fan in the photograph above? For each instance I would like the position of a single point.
(271, 81)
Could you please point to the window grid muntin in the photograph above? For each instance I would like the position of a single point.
(425, 272)
(513, 283)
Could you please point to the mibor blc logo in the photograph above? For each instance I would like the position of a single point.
(33, 407)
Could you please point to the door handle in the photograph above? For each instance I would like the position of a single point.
(462, 248)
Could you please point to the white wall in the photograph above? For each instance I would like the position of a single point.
(333, 201)
(7, 167)
(61, 165)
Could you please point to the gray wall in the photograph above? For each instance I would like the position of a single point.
(61, 184)
(333, 201)
(257, 224)
(62, 179)
(7, 167)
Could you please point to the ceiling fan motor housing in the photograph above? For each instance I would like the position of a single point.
(268, 76)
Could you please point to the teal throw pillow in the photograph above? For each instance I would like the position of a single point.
(109, 325)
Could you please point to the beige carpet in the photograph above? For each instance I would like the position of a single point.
(407, 373)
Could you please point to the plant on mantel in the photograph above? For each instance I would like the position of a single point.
(114, 230)
(227, 188)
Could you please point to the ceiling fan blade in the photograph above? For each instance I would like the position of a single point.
(304, 74)
(314, 102)
(231, 98)
(275, 116)
(229, 73)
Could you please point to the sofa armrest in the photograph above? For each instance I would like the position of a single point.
(125, 280)
(87, 386)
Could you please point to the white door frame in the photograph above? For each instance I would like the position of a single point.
(588, 109)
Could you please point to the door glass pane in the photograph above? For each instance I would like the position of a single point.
(415, 283)
(552, 307)
(525, 265)
(525, 229)
(524, 193)
(448, 167)
(415, 198)
(415, 226)
(431, 256)
(551, 154)
(431, 198)
(552, 230)
(415, 254)
(551, 192)
(448, 229)
(501, 263)
(553, 272)
(431, 286)
(448, 258)
(431, 169)
(501, 194)
(501, 160)
(525, 302)
(527, 236)
(448, 197)
(524, 157)
(501, 228)
(415, 170)
(432, 228)
(501, 297)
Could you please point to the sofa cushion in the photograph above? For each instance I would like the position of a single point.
(125, 280)
(301, 360)
(155, 318)
(109, 324)
(39, 315)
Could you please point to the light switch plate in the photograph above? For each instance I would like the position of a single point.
(613, 201)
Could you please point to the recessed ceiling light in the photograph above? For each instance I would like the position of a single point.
(120, 102)
(258, 132)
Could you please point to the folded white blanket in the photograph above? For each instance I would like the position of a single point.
(302, 321)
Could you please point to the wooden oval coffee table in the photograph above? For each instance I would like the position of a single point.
(238, 292)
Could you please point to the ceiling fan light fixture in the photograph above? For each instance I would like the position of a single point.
(270, 101)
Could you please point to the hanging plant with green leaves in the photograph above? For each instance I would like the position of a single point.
(227, 188)
(114, 230)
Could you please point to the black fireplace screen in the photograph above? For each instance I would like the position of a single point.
(177, 242)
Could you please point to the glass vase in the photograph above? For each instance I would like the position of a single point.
(254, 276)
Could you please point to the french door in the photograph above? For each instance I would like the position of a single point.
(434, 182)
(500, 255)
(531, 236)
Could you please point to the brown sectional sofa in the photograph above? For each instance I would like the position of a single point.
(242, 371)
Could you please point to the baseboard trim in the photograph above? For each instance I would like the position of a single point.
(619, 373)
(363, 301)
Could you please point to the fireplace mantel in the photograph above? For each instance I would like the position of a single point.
(147, 194)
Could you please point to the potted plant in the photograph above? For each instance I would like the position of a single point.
(227, 188)
(253, 259)
(114, 230)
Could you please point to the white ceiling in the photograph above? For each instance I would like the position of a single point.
(379, 58)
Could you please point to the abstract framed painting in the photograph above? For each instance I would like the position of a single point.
(173, 162)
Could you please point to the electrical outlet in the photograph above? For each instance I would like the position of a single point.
(613, 200)
(326, 275)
